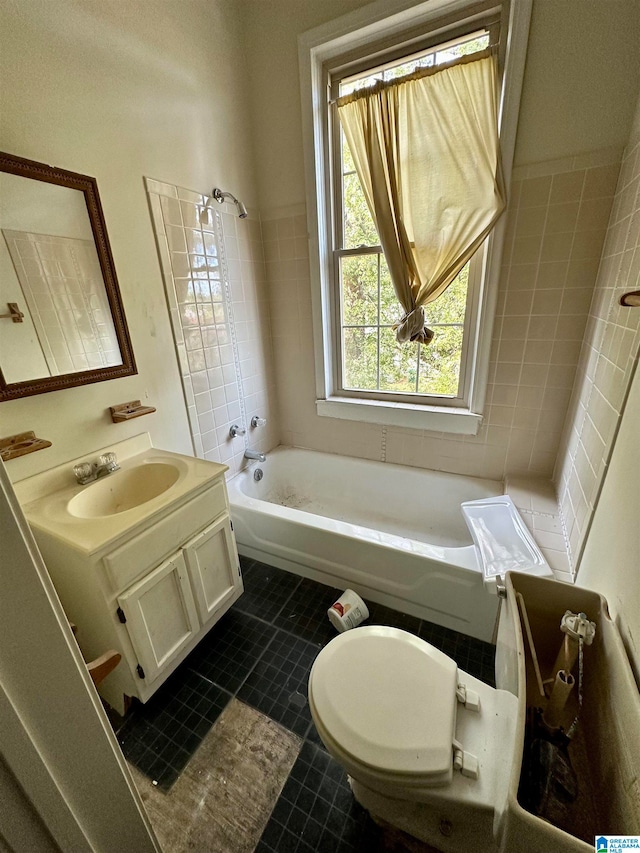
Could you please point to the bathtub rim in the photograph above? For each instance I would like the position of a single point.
(458, 555)
(253, 518)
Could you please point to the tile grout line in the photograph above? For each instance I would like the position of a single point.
(263, 652)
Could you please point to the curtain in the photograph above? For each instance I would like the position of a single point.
(426, 150)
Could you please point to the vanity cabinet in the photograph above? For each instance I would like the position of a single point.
(153, 590)
(160, 615)
(165, 610)
(212, 558)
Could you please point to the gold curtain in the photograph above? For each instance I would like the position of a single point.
(426, 151)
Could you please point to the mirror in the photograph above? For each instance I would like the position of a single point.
(61, 317)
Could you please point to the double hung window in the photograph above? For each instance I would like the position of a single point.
(363, 372)
(370, 362)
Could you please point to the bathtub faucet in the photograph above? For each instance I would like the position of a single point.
(255, 454)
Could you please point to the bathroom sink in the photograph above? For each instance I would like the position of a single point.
(124, 490)
(149, 484)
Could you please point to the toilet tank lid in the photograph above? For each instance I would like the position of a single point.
(388, 699)
(501, 537)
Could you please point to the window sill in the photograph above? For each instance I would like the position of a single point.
(434, 418)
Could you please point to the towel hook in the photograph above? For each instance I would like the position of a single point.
(631, 299)
(15, 314)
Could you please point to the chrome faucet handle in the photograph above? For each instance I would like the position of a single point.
(83, 472)
(258, 422)
(109, 461)
(236, 430)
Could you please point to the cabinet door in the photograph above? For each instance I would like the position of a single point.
(161, 615)
(213, 565)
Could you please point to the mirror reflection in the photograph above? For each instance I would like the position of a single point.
(62, 322)
(50, 268)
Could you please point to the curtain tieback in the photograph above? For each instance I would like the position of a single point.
(412, 328)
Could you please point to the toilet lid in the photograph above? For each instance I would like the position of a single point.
(388, 699)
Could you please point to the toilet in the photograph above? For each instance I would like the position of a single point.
(427, 746)
(438, 754)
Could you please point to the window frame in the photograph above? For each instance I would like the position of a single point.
(356, 40)
(474, 292)
(491, 27)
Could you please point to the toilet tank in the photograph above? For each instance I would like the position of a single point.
(605, 752)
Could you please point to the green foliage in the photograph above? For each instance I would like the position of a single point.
(436, 57)
(359, 229)
(372, 358)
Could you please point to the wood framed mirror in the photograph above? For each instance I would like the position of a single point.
(62, 322)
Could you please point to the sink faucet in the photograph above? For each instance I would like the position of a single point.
(87, 472)
(255, 454)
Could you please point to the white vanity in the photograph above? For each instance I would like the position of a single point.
(144, 559)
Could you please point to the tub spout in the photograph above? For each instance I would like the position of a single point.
(254, 454)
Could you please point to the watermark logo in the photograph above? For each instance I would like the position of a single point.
(616, 843)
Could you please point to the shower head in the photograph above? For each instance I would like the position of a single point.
(221, 197)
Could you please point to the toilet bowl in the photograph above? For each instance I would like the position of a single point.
(425, 744)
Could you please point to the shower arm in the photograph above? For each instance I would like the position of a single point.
(220, 196)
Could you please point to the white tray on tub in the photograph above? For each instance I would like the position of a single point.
(504, 544)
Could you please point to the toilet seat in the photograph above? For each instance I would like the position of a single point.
(386, 700)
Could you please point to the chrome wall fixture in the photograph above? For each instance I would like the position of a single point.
(220, 196)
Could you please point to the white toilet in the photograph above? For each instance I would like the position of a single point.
(425, 744)
(428, 747)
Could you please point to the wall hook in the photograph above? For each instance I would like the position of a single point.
(14, 313)
(631, 299)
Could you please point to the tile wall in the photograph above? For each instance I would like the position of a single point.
(608, 358)
(63, 287)
(214, 277)
(557, 221)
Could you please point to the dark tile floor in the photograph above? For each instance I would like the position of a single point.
(316, 811)
(261, 651)
(160, 737)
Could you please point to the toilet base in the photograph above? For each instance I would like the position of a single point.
(397, 840)
(447, 827)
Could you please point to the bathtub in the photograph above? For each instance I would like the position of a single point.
(394, 534)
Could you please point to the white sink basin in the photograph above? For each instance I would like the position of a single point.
(124, 490)
(150, 482)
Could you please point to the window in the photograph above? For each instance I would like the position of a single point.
(369, 361)
(362, 373)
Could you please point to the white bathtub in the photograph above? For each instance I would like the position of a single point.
(394, 534)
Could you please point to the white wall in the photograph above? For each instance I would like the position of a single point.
(607, 359)
(119, 90)
(271, 29)
(611, 561)
(581, 79)
(611, 558)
